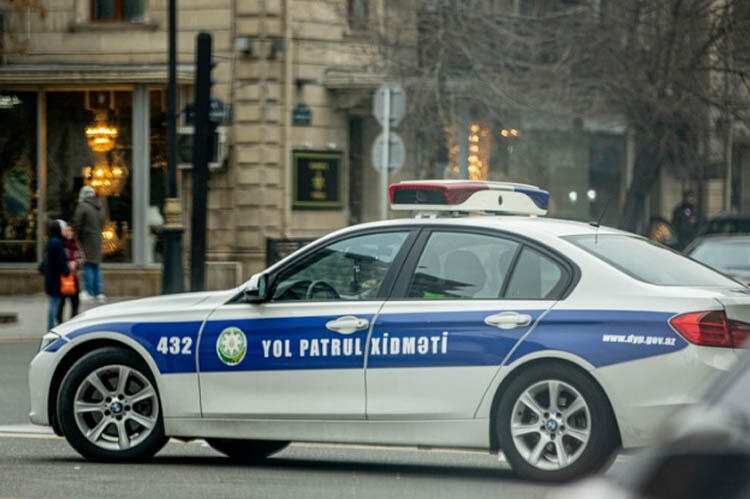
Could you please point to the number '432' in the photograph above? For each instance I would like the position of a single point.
(175, 345)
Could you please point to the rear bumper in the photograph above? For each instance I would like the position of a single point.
(646, 393)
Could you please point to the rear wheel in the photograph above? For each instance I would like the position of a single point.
(246, 451)
(554, 423)
(108, 407)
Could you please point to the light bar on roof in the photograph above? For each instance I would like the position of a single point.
(469, 196)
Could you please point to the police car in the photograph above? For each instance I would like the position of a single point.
(554, 341)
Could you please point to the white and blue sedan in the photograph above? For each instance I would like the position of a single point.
(556, 342)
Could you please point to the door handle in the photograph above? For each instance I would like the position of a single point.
(508, 320)
(347, 324)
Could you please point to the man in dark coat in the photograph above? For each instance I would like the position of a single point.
(88, 222)
(685, 219)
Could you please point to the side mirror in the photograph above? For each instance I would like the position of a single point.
(259, 293)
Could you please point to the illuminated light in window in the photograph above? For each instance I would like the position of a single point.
(573, 196)
(591, 194)
(101, 136)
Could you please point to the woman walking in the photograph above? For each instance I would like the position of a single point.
(74, 258)
(56, 265)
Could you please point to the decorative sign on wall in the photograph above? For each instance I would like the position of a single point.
(317, 180)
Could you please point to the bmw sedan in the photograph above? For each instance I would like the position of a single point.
(554, 341)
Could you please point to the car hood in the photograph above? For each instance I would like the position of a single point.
(140, 309)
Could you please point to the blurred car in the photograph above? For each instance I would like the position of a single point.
(705, 454)
(730, 223)
(727, 254)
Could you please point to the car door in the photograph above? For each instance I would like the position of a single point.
(464, 300)
(301, 354)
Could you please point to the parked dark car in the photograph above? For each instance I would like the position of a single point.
(730, 223)
(729, 254)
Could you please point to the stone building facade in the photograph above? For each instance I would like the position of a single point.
(298, 76)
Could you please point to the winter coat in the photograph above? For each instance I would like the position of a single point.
(88, 221)
(56, 264)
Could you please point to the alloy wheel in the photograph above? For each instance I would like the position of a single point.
(550, 424)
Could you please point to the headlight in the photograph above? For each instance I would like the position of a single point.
(47, 339)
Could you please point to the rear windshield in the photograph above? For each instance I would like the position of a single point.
(726, 255)
(649, 262)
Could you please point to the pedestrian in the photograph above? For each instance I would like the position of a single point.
(88, 221)
(685, 219)
(54, 266)
(74, 259)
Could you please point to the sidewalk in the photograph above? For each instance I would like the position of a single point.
(31, 311)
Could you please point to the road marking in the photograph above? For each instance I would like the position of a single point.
(27, 431)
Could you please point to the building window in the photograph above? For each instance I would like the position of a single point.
(117, 10)
(18, 179)
(74, 159)
(357, 14)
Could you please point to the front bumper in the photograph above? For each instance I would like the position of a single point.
(41, 370)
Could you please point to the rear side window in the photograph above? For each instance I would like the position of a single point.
(649, 262)
(535, 277)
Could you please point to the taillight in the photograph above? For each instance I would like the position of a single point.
(711, 329)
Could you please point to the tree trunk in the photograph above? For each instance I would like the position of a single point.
(645, 173)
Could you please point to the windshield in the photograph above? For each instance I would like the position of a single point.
(725, 255)
(649, 262)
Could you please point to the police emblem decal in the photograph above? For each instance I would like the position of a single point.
(231, 346)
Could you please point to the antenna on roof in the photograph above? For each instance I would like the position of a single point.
(596, 223)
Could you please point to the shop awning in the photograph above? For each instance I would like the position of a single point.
(48, 75)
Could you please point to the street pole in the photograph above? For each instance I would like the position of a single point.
(201, 142)
(386, 155)
(172, 278)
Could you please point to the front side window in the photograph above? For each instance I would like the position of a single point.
(456, 266)
(351, 269)
(648, 261)
(117, 10)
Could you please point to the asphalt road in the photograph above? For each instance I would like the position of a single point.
(42, 465)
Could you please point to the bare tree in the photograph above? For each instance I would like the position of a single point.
(672, 68)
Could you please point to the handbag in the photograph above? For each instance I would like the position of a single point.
(68, 284)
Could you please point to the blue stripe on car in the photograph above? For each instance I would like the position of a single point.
(629, 335)
(277, 343)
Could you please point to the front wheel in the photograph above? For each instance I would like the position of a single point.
(246, 451)
(555, 424)
(109, 409)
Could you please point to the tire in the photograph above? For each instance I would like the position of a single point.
(123, 421)
(246, 451)
(578, 434)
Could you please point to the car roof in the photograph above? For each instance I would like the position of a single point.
(517, 224)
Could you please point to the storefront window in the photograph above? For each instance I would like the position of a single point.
(18, 179)
(89, 142)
